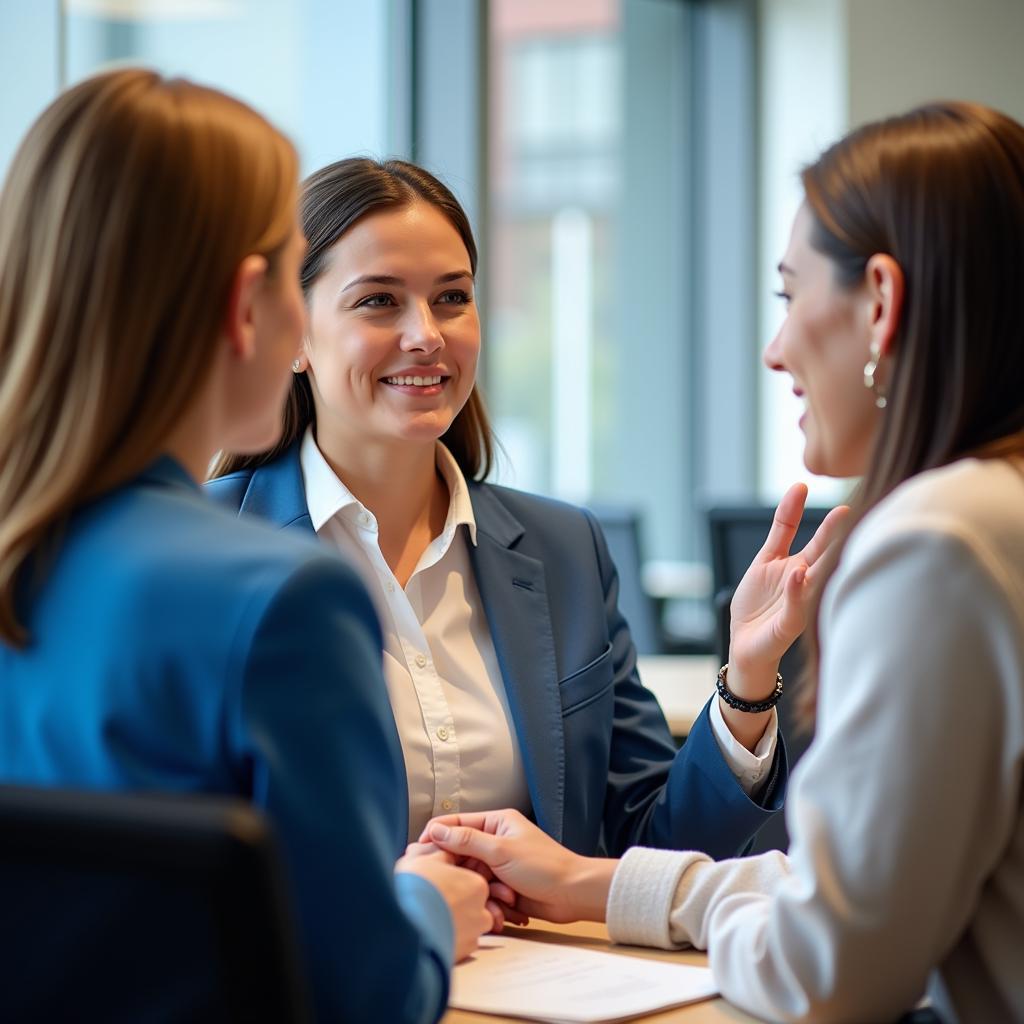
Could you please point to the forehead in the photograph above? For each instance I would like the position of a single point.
(414, 234)
(799, 249)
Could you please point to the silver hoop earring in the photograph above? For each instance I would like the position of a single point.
(870, 367)
(296, 366)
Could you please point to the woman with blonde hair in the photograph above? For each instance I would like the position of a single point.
(904, 334)
(149, 310)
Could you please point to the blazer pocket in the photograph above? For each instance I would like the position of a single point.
(588, 683)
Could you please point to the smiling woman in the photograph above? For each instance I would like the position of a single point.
(393, 335)
(510, 669)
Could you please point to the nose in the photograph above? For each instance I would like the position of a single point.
(421, 332)
(772, 357)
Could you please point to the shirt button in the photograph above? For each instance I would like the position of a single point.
(421, 660)
(442, 733)
(446, 805)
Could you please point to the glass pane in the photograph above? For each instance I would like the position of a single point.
(554, 136)
(317, 68)
(587, 342)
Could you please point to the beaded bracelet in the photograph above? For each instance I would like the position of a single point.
(751, 706)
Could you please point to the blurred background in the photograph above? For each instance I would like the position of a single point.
(630, 168)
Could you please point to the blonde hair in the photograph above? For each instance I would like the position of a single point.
(124, 217)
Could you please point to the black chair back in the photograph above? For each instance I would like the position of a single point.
(621, 527)
(123, 907)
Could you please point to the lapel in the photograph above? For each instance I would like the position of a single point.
(277, 493)
(514, 595)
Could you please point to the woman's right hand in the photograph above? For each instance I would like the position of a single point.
(466, 893)
(541, 877)
(769, 607)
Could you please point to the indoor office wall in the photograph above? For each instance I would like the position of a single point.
(826, 66)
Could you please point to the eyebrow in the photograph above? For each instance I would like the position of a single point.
(454, 275)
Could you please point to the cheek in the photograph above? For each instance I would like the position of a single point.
(464, 344)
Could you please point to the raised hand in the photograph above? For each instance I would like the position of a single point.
(769, 608)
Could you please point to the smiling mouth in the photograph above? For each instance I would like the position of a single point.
(417, 382)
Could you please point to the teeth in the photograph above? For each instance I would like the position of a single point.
(419, 382)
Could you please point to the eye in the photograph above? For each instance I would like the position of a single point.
(785, 296)
(375, 301)
(454, 296)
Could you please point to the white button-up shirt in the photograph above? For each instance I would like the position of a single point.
(444, 683)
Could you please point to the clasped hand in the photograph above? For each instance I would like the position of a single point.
(527, 872)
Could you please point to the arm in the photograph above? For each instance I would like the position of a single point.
(316, 738)
(656, 796)
(898, 812)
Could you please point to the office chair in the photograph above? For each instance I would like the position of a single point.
(123, 907)
(621, 527)
(737, 534)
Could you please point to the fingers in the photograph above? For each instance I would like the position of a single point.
(785, 524)
(495, 909)
(825, 534)
(505, 893)
(486, 821)
(463, 841)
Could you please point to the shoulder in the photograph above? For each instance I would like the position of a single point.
(186, 563)
(961, 521)
(229, 491)
(974, 504)
(531, 510)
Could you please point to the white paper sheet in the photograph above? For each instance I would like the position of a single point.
(567, 985)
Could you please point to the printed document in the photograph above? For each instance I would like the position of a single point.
(567, 985)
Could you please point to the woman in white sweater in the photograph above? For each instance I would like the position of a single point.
(904, 282)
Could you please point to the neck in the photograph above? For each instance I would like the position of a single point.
(191, 443)
(399, 483)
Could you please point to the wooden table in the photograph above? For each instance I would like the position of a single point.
(682, 683)
(595, 936)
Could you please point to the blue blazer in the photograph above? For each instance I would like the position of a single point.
(174, 648)
(602, 769)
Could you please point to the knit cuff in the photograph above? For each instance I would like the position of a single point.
(641, 896)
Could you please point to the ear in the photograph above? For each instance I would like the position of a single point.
(239, 317)
(885, 284)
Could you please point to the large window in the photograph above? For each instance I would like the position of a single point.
(587, 332)
(325, 71)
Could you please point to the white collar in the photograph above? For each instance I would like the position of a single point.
(327, 496)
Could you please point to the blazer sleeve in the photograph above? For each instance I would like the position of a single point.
(658, 796)
(315, 735)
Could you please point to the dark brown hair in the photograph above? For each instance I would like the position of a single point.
(941, 190)
(125, 214)
(333, 200)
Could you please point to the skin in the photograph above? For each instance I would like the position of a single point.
(239, 406)
(396, 298)
(239, 409)
(827, 337)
